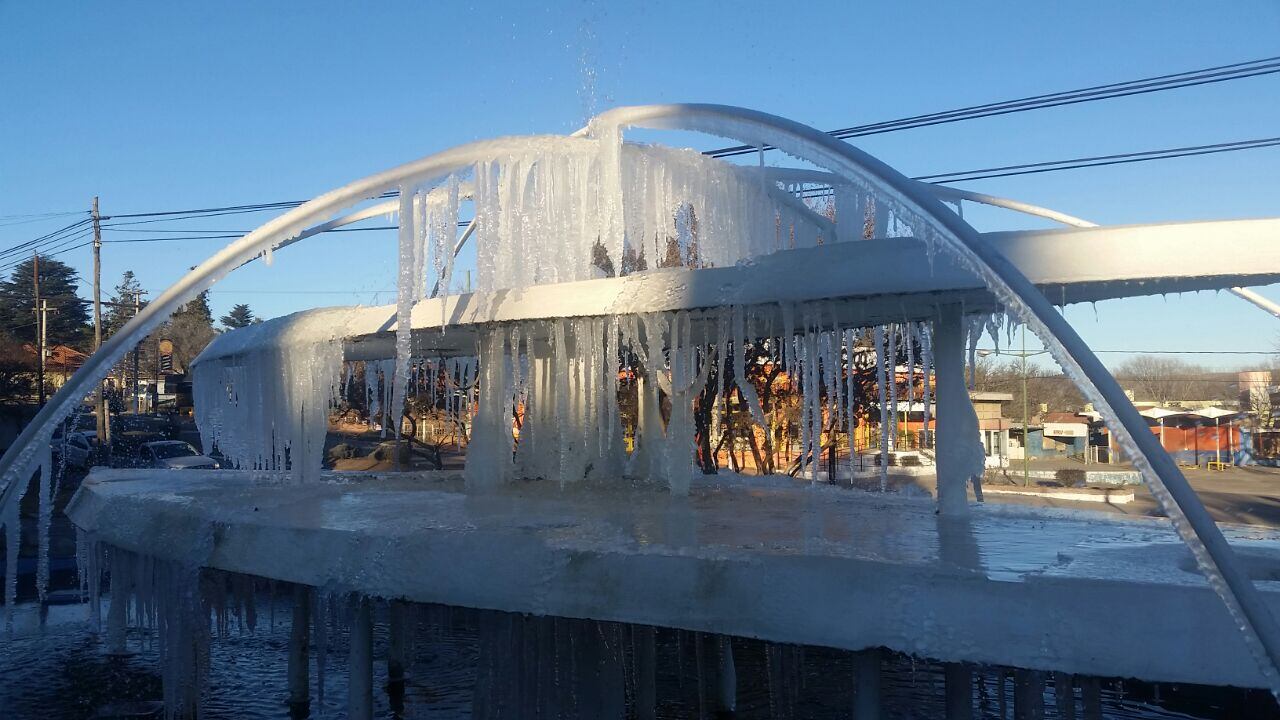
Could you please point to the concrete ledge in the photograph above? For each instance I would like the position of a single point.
(1101, 495)
(1073, 591)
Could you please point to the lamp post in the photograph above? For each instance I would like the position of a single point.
(1217, 439)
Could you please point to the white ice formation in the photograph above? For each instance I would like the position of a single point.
(556, 209)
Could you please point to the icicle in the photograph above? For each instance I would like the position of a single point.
(850, 389)
(267, 408)
(926, 363)
(44, 518)
(891, 371)
(909, 338)
(12, 538)
(974, 326)
(884, 408)
(739, 367)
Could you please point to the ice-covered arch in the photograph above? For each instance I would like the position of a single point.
(929, 218)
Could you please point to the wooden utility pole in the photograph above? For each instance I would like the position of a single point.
(35, 269)
(133, 390)
(43, 328)
(104, 420)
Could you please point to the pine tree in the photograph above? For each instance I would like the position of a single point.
(68, 314)
(239, 316)
(190, 329)
(121, 310)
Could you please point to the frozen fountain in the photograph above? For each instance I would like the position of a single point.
(607, 267)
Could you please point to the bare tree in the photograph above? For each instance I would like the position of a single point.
(1168, 380)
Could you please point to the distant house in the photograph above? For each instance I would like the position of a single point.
(994, 426)
(1054, 434)
(60, 362)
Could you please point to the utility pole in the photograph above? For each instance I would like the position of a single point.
(104, 420)
(39, 330)
(42, 328)
(137, 307)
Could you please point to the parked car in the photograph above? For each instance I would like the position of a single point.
(174, 455)
(76, 448)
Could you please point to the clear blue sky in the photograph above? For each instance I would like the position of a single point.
(165, 106)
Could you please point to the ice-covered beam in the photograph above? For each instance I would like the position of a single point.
(892, 280)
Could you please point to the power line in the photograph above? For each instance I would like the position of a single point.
(233, 234)
(34, 218)
(1220, 73)
(54, 247)
(228, 209)
(64, 213)
(55, 243)
(1076, 163)
(1098, 161)
(245, 232)
(1158, 83)
(1215, 74)
(53, 236)
(48, 255)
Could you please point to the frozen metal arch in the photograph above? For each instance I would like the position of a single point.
(1166, 482)
(15, 465)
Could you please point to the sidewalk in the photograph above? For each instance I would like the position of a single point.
(1247, 495)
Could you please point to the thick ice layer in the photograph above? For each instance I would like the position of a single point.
(585, 209)
(557, 387)
(267, 406)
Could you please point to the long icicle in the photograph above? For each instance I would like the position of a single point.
(884, 409)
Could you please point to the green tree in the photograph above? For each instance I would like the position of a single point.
(68, 314)
(121, 311)
(239, 316)
(190, 329)
(17, 372)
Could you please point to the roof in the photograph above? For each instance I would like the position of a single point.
(60, 355)
(1159, 413)
(1064, 418)
(1215, 412)
(990, 396)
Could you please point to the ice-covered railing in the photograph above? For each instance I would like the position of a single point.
(928, 219)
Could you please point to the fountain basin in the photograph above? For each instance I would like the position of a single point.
(767, 558)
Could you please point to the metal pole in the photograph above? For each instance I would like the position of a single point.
(133, 389)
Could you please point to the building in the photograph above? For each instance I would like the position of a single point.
(1055, 434)
(1191, 437)
(994, 426)
(59, 364)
